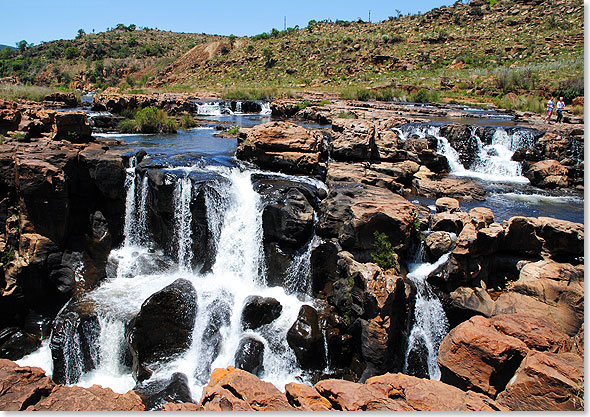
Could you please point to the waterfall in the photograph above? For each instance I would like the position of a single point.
(183, 219)
(265, 108)
(238, 107)
(130, 211)
(430, 324)
(213, 109)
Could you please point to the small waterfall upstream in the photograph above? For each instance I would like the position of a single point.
(430, 324)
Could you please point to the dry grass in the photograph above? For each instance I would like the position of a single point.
(26, 92)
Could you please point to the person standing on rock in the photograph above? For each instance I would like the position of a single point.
(549, 109)
(560, 108)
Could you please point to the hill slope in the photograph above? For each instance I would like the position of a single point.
(476, 49)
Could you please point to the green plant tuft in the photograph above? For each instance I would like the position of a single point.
(384, 254)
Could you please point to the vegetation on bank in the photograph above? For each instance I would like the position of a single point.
(148, 120)
(384, 254)
(28, 92)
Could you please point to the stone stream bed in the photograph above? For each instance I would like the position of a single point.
(258, 253)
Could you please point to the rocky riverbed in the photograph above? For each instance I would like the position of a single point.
(471, 313)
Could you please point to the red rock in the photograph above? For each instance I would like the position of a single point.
(21, 387)
(352, 140)
(95, 398)
(447, 204)
(430, 395)
(280, 137)
(537, 332)
(306, 398)
(181, 407)
(235, 389)
(547, 174)
(546, 382)
(72, 126)
(481, 217)
(476, 356)
(349, 396)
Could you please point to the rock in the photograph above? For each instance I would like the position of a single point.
(428, 184)
(557, 291)
(74, 342)
(489, 240)
(447, 204)
(163, 327)
(562, 239)
(546, 382)
(95, 398)
(306, 398)
(289, 219)
(235, 389)
(306, 339)
(182, 407)
(481, 217)
(349, 396)
(547, 174)
(537, 332)
(15, 343)
(430, 395)
(475, 356)
(449, 222)
(281, 146)
(156, 394)
(521, 237)
(438, 243)
(353, 212)
(68, 99)
(22, 386)
(259, 311)
(352, 140)
(467, 302)
(250, 355)
(72, 126)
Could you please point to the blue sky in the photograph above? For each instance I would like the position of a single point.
(42, 20)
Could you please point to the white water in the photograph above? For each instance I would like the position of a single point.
(213, 109)
(183, 219)
(234, 216)
(265, 108)
(493, 162)
(430, 322)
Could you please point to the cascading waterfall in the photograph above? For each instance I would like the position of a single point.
(130, 209)
(430, 324)
(238, 107)
(183, 219)
(266, 110)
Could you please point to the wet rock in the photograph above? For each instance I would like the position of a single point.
(306, 398)
(324, 259)
(238, 390)
(438, 243)
(15, 343)
(72, 126)
(95, 398)
(163, 327)
(430, 395)
(475, 356)
(74, 342)
(306, 339)
(259, 311)
(219, 316)
(22, 386)
(156, 394)
(546, 382)
(249, 356)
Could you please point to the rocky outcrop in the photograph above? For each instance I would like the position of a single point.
(72, 126)
(281, 146)
(476, 356)
(157, 394)
(259, 311)
(546, 382)
(306, 398)
(95, 398)
(306, 339)
(237, 390)
(22, 386)
(250, 356)
(163, 327)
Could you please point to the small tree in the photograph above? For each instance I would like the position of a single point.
(384, 254)
(80, 33)
(22, 45)
(232, 39)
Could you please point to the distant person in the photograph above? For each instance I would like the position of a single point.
(560, 108)
(549, 109)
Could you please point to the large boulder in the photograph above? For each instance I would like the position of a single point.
(352, 140)
(352, 213)
(234, 389)
(22, 386)
(259, 311)
(350, 396)
(155, 394)
(547, 174)
(95, 398)
(163, 327)
(281, 146)
(306, 398)
(72, 126)
(250, 356)
(67, 99)
(475, 356)
(306, 339)
(537, 332)
(550, 289)
(289, 219)
(438, 243)
(546, 382)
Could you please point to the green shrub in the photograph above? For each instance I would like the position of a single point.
(303, 105)
(72, 52)
(233, 130)
(346, 115)
(7, 256)
(384, 254)
(425, 96)
(127, 126)
(153, 120)
(356, 93)
(325, 101)
(522, 103)
(187, 121)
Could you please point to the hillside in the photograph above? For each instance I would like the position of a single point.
(481, 50)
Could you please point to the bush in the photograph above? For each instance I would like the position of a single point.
(72, 52)
(571, 88)
(346, 115)
(127, 126)
(384, 254)
(325, 101)
(424, 96)
(233, 130)
(303, 105)
(149, 120)
(356, 93)
(522, 103)
(187, 121)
